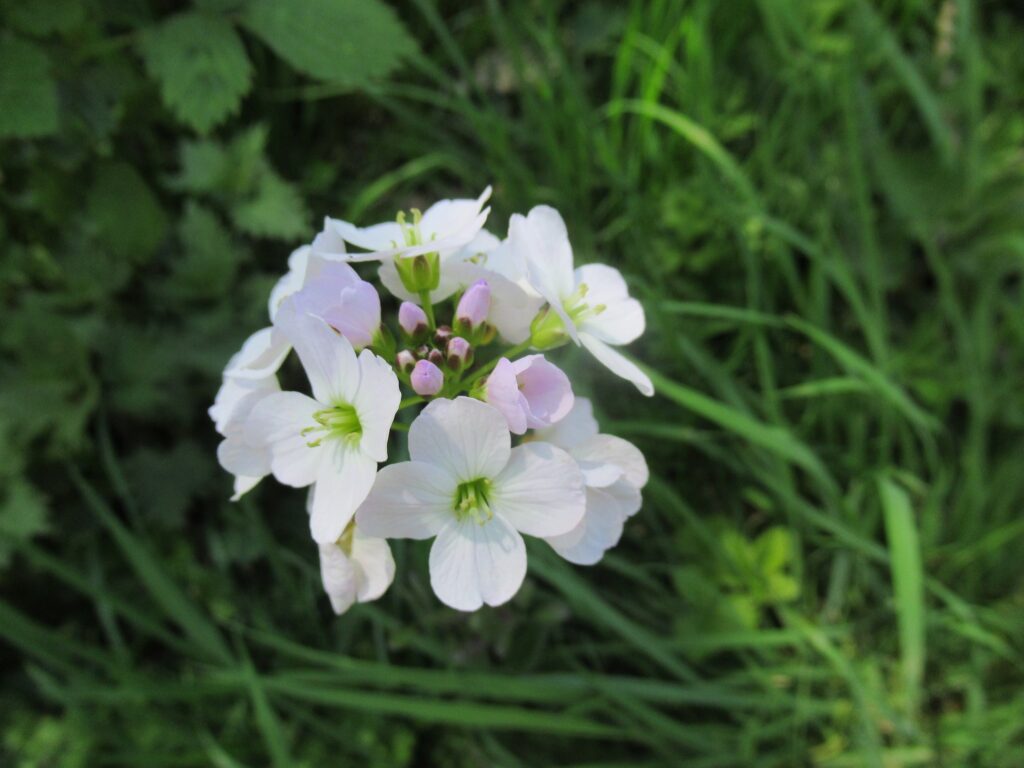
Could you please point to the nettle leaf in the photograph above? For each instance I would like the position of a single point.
(341, 41)
(28, 94)
(201, 66)
(275, 210)
(238, 176)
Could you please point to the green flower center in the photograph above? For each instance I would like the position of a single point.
(338, 423)
(472, 500)
(548, 329)
(579, 310)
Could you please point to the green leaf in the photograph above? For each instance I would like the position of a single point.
(908, 585)
(209, 258)
(44, 17)
(275, 210)
(350, 42)
(201, 66)
(22, 515)
(125, 213)
(28, 94)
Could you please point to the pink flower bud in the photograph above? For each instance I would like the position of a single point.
(459, 353)
(426, 378)
(413, 319)
(405, 361)
(474, 304)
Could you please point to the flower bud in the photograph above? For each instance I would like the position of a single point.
(413, 320)
(421, 351)
(426, 378)
(405, 360)
(459, 354)
(442, 334)
(474, 305)
(436, 357)
(419, 273)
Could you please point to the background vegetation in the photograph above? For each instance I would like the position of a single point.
(821, 205)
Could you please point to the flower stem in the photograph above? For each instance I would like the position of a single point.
(428, 308)
(410, 401)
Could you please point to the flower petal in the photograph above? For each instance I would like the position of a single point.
(261, 355)
(467, 438)
(622, 319)
(378, 237)
(277, 422)
(502, 392)
(339, 576)
(578, 426)
(291, 281)
(609, 449)
(617, 364)
(546, 388)
(327, 357)
(409, 500)
(447, 217)
(540, 491)
(243, 485)
(473, 563)
(376, 403)
(375, 566)
(236, 397)
(344, 479)
(541, 241)
(599, 530)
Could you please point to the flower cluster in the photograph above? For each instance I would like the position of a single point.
(472, 307)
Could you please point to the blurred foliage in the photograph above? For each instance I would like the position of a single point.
(821, 205)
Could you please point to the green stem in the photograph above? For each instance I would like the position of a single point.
(428, 307)
(415, 399)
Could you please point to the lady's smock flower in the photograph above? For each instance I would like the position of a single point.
(468, 487)
(336, 437)
(530, 392)
(355, 569)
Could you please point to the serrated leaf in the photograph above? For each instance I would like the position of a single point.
(201, 66)
(275, 210)
(351, 42)
(28, 94)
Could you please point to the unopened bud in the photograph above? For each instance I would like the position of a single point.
(474, 305)
(442, 334)
(426, 378)
(413, 320)
(421, 351)
(405, 361)
(459, 354)
(435, 357)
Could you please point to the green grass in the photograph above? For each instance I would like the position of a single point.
(821, 206)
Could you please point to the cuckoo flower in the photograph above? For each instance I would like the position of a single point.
(590, 305)
(412, 248)
(355, 569)
(467, 486)
(613, 470)
(336, 437)
(530, 393)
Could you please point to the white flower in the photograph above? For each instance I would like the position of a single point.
(336, 437)
(445, 227)
(356, 568)
(614, 471)
(468, 487)
(235, 400)
(592, 305)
